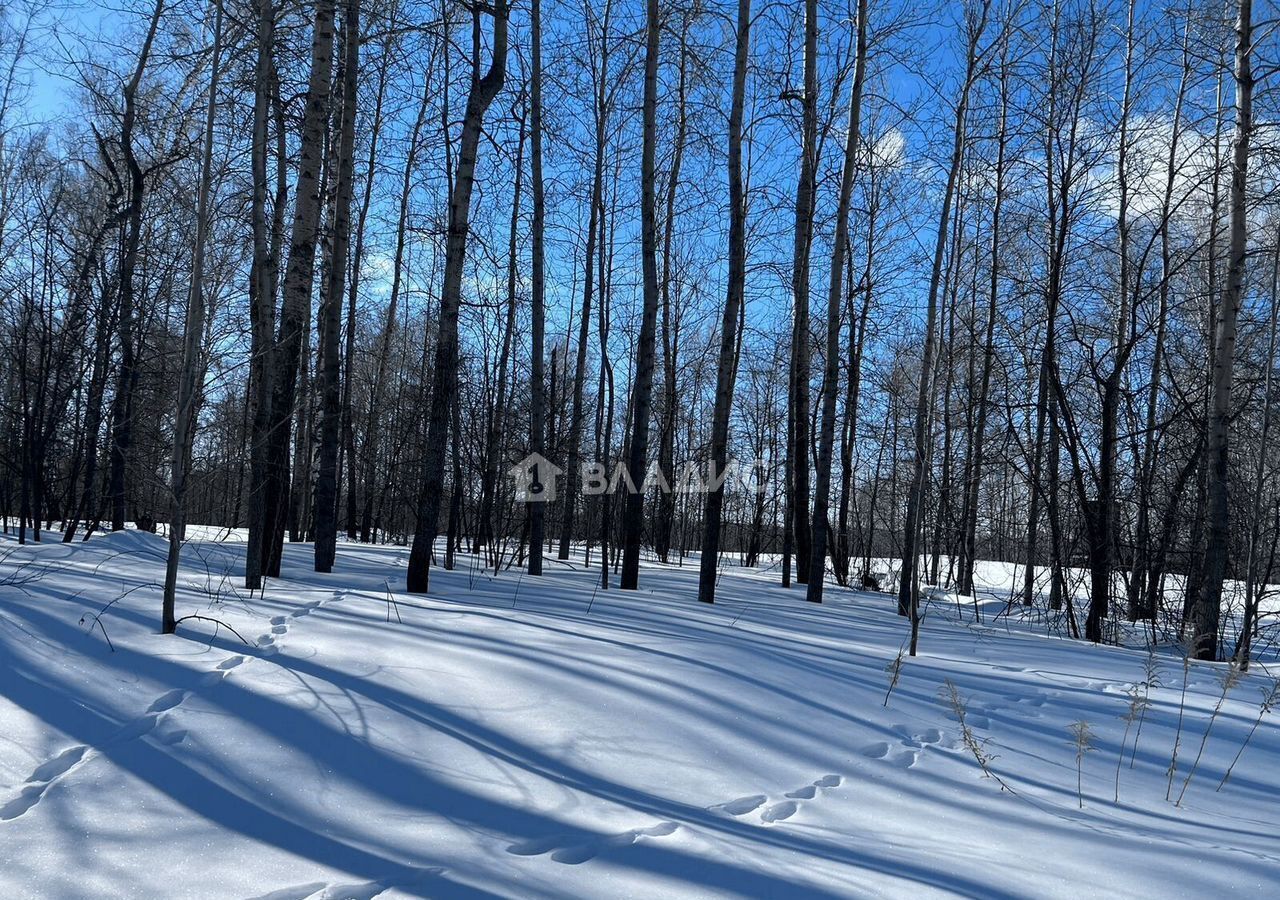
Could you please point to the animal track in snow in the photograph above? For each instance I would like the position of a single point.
(780, 810)
(741, 806)
(28, 797)
(168, 700)
(906, 752)
(902, 759)
(785, 809)
(51, 769)
(166, 734)
(929, 736)
(136, 729)
(364, 890)
(268, 642)
(572, 852)
(40, 779)
(154, 721)
(1025, 706)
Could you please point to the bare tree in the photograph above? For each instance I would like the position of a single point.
(796, 468)
(127, 376)
(193, 334)
(726, 369)
(537, 376)
(1207, 609)
(445, 381)
(908, 586)
(642, 395)
(835, 294)
(325, 514)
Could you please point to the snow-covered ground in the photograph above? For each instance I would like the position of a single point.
(523, 737)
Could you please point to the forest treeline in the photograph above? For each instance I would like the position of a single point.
(991, 280)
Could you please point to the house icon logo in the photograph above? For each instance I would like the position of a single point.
(535, 478)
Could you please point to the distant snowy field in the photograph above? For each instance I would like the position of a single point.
(521, 737)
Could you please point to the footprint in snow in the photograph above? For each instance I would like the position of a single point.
(924, 739)
(876, 750)
(153, 722)
(741, 806)
(902, 759)
(364, 890)
(305, 610)
(167, 700)
(168, 735)
(782, 809)
(136, 729)
(28, 797)
(51, 769)
(209, 679)
(568, 850)
(905, 752)
(779, 811)
(785, 809)
(40, 779)
(1026, 706)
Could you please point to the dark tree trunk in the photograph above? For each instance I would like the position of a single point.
(193, 332)
(538, 402)
(641, 402)
(796, 507)
(445, 378)
(835, 294)
(127, 376)
(325, 510)
(726, 368)
(296, 302)
(262, 281)
(1217, 545)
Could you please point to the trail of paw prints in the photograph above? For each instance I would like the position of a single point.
(980, 710)
(40, 779)
(156, 722)
(362, 890)
(51, 771)
(573, 850)
(780, 810)
(269, 642)
(905, 752)
(1025, 705)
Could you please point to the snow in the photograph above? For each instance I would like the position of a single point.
(523, 737)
